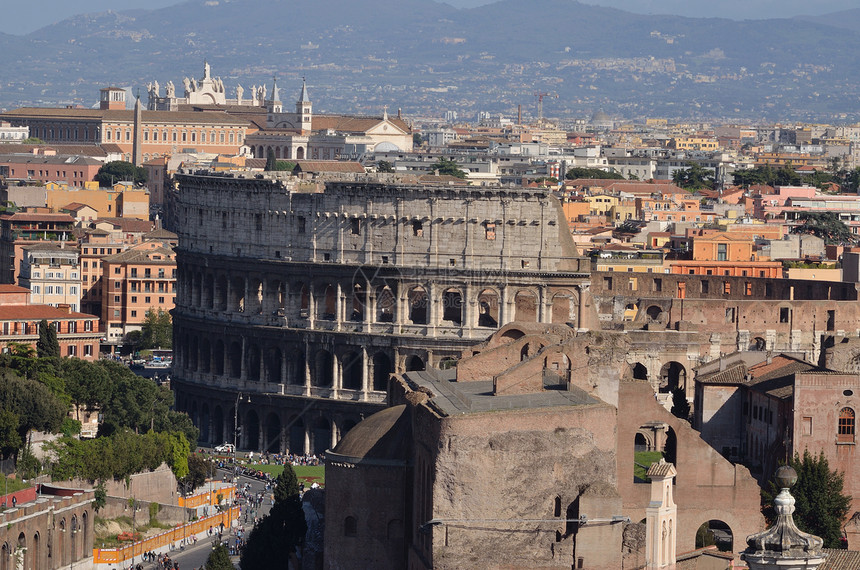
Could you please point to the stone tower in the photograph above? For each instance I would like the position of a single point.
(661, 518)
(304, 110)
(136, 153)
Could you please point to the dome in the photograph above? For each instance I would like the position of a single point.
(600, 117)
(386, 146)
(384, 436)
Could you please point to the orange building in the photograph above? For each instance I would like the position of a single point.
(77, 333)
(141, 278)
(719, 253)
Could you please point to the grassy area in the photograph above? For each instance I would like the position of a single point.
(10, 485)
(308, 474)
(642, 461)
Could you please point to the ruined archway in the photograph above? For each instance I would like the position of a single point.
(414, 363)
(672, 375)
(251, 430)
(525, 303)
(382, 369)
(323, 372)
(351, 365)
(715, 533)
(640, 372)
(321, 436)
(488, 308)
(418, 306)
(386, 304)
(273, 433)
(452, 307)
(652, 442)
(563, 307)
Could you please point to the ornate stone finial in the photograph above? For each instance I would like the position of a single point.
(784, 542)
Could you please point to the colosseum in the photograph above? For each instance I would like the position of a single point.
(297, 300)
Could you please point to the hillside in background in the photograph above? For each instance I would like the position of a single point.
(428, 57)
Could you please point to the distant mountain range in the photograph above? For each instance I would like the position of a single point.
(428, 57)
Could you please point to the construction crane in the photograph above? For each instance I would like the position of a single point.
(540, 95)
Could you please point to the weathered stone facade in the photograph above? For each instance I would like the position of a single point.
(305, 297)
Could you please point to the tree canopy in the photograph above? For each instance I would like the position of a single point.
(285, 526)
(384, 166)
(581, 172)
(119, 171)
(448, 167)
(156, 330)
(820, 504)
(219, 559)
(825, 225)
(694, 177)
(26, 404)
(47, 346)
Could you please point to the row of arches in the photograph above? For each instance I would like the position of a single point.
(279, 152)
(266, 430)
(360, 301)
(251, 360)
(65, 544)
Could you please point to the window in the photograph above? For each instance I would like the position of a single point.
(846, 426)
(727, 287)
(116, 270)
(72, 350)
(134, 299)
(722, 255)
(350, 528)
(161, 300)
(88, 350)
(784, 314)
(116, 298)
(658, 284)
(806, 425)
(418, 228)
(133, 271)
(490, 231)
(705, 286)
(147, 300)
(607, 283)
(134, 314)
(116, 313)
(300, 225)
(355, 226)
(88, 326)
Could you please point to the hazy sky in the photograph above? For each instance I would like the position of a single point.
(21, 17)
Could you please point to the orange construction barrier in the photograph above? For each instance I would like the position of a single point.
(118, 555)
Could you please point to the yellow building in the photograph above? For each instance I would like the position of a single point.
(694, 143)
(123, 200)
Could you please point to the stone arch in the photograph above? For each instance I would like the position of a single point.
(237, 295)
(328, 305)
(323, 371)
(414, 363)
(321, 436)
(35, 552)
(525, 304)
(235, 359)
(221, 293)
(277, 293)
(488, 308)
(251, 430)
(22, 547)
(350, 526)
(452, 306)
(511, 335)
(205, 356)
(640, 371)
(218, 424)
(196, 289)
(218, 369)
(255, 296)
(757, 344)
(382, 369)
(252, 371)
(563, 307)
(357, 303)
(654, 313)
(273, 433)
(304, 300)
(297, 436)
(300, 153)
(204, 422)
(672, 375)
(419, 305)
(209, 291)
(351, 366)
(386, 304)
(273, 362)
(651, 442)
(717, 533)
(296, 367)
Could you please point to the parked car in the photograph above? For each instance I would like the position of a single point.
(224, 448)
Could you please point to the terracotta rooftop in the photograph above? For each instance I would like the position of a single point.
(13, 289)
(127, 115)
(840, 560)
(328, 166)
(133, 225)
(38, 312)
(347, 124)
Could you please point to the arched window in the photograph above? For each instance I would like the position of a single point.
(846, 426)
(350, 528)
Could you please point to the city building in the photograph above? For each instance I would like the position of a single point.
(139, 279)
(77, 333)
(52, 273)
(30, 227)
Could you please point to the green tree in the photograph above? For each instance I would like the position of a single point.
(448, 167)
(270, 160)
(596, 173)
(120, 171)
(219, 559)
(825, 225)
(417, 140)
(384, 166)
(157, 329)
(99, 496)
(199, 469)
(32, 140)
(47, 346)
(86, 383)
(694, 177)
(284, 165)
(29, 402)
(820, 504)
(284, 525)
